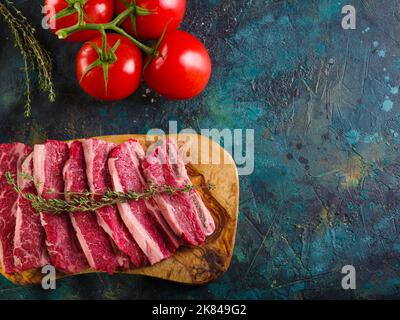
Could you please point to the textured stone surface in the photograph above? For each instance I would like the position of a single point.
(324, 104)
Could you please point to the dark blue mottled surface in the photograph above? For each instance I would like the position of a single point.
(324, 104)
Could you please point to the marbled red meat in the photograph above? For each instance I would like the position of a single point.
(95, 242)
(29, 241)
(96, 155)
(125, 168)
(11, 157)
(185, 212)
(63, 247)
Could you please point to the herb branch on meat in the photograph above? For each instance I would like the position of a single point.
(88, 202)
(35, 58)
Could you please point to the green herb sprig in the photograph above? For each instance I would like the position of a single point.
(35, 58)
(88, 202)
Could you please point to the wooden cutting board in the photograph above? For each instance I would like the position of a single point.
(190, 265)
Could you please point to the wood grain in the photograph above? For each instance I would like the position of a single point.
(190, 265)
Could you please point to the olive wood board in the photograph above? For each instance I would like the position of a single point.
(190, 265)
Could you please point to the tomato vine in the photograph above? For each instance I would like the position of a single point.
(132, 8)
(103, 59)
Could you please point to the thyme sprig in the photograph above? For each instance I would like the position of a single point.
(88, 202)
(35, 58)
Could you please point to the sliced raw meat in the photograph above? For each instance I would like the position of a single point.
(29, 241)
(173, 241)
(185, 212)
(62, 244)
(99, 179)
(11, 157)
(125, 168)
(94, 241)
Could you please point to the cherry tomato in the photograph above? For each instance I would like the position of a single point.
(123, 74)
(182, 69)
(151, 26)
(96, 11)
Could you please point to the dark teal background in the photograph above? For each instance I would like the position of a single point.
(324, 104)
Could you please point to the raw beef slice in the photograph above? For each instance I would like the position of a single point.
(29, 241)
(185, 212)
(96, 155)
(11, 156)
(62, 244)
(125, 168)
(94, 241)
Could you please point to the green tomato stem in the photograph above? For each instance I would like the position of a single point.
(123, 15)
(103, 56)
(79, 10)
(148, 50)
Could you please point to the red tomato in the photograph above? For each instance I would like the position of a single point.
(123, 75)
(98, 11)
(183, 68)
(151, 26)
